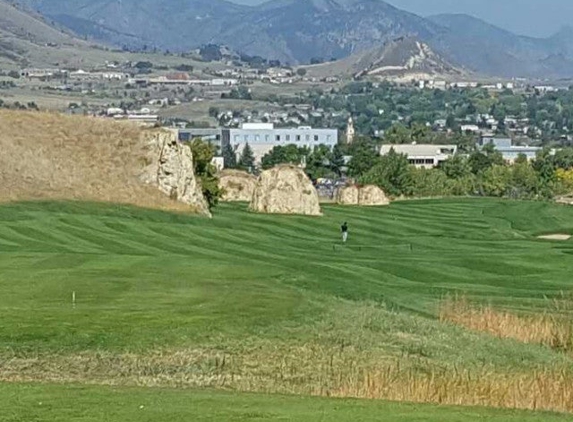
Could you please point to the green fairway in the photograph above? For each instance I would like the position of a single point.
(278, 304)
(24, 403)
(186, 279)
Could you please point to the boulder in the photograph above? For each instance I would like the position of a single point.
(237, 186)
(364, 196)
(372, 196)
(169, 167)
(285, 189)
(348, 195)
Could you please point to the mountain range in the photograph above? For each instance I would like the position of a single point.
(297, 31)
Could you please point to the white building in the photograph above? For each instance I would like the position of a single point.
(263, 137)
(423, 155)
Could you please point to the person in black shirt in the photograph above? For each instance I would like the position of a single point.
(344, 230)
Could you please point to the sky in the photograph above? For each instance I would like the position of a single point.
(539, 18)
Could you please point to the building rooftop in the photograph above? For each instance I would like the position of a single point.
(419, 150)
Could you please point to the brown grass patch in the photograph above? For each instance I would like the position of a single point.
(553, 328)
(51, 156)
(304, 370)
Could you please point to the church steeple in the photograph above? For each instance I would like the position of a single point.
(350, 131)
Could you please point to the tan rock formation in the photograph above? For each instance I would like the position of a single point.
(365, 196)
(285, 189)
(372, 196)
(170, 169)
(347, 195)
(49, 156)
(238, 186)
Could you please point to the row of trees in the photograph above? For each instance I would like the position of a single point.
(479, 173)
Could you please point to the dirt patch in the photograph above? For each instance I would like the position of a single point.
(559, 237)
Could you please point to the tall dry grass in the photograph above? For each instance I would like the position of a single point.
(305, 370)
(553, 327)
(48, 156)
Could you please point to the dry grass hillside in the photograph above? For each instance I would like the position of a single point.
(51, 156)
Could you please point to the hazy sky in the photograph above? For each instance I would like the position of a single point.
(527, 17)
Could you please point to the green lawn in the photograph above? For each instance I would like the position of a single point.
(26, 403)
(272, 303)
(185, 279)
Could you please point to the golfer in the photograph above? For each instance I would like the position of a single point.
(344, 230)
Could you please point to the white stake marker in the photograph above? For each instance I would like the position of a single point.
(74, 300)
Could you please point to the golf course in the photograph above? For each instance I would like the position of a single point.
(115, 312)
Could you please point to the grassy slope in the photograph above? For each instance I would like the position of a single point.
(184, 278)
(23, 403)
(268, 296)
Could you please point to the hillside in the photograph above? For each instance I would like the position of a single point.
(402, 59)
(492, 50)
(296, 31)
(25, 37)
(50, 156)
(289, 30)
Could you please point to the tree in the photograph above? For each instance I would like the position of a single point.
(229, 157)
(319, 163)
(203, 154)
(247, 159)
(429, 182)
(143, 65)
(214, 112)
(456, 167)
(521, 159)
(398, 134)
(337, 160)
(496, 180)
(392, 174)
(301, 72)
(482, 160)
(563, 159)
(290, 154)
(364, 156)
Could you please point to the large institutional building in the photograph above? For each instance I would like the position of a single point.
(263, 137)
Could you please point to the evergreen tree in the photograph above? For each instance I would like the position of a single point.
(247, 159)
(229, 157)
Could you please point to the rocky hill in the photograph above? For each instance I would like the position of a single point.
(402, 59)
(49, 156)
(297, 31)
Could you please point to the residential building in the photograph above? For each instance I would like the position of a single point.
(423, 155)
(509, 151)
(263, 137)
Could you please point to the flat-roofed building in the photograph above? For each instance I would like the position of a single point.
(422, 155)
(263, 137)
(509, 151)
(211, 135)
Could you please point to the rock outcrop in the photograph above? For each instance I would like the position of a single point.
(372, 196)
(49, 156)
(170, 168)
(285, 189)
(364, 196)
(348, 195)
(237, 186)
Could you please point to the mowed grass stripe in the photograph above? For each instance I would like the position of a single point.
(198, 273)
